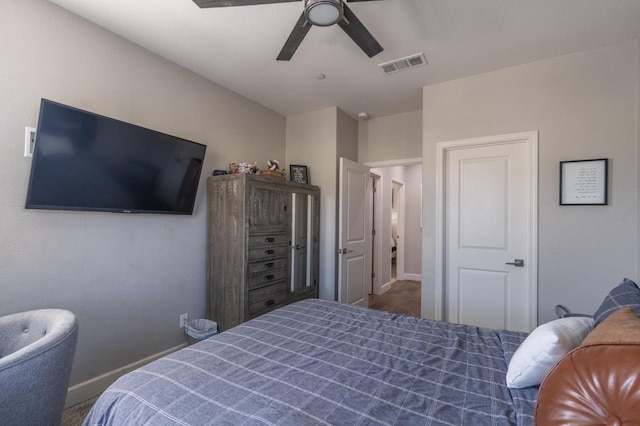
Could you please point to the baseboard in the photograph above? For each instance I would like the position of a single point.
(385, 287)
(92, 387)
(412, 277)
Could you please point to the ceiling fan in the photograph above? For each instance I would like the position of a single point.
(322, 13)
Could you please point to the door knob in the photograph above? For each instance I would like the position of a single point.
(516, 262)
(343, 251)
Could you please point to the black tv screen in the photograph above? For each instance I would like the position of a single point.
(85, 161)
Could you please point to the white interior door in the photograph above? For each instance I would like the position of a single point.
(489, 246)
(354, 251)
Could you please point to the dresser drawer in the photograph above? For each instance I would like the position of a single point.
(268, 240)
(267, 265)
(263, 278)
(264, 253)
(267, 298)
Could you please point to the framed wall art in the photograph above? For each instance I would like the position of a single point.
(299, 174)
(583, 182)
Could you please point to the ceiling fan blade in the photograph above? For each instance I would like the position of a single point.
(358, 33)
(227, 3)
(300, 30)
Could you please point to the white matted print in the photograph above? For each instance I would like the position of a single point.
(583, 182)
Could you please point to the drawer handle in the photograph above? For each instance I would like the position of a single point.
(269, 302)
(269, 265)
(269, 240)
(269, 251)
(269, 277)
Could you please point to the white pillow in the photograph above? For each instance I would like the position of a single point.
(544, 347)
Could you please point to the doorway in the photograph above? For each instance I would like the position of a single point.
(397, 224)
(396, 195)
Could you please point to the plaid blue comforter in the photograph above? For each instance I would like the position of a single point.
(317, 362)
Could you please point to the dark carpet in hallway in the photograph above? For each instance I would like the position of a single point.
(402, 298)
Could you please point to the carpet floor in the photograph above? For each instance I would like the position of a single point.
(74, 415)
(402, 298)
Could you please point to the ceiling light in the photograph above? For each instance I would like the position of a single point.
(323, 12)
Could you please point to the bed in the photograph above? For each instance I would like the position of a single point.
(318, 362)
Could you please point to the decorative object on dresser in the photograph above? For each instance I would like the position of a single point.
(262, 245)
(299, 174)
(273, 170)
(272, 174)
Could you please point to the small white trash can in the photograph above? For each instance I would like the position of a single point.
(201, 329)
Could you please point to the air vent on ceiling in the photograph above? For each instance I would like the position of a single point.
(403, 64)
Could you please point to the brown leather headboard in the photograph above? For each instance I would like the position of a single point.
(598, 383)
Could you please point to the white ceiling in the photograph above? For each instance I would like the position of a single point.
(236, 47)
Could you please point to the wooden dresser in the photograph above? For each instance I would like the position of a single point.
(262, 245)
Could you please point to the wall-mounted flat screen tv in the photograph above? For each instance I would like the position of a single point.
(85, 161)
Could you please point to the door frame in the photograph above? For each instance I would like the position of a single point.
(442, 148)
(400, 275)
(376, 225)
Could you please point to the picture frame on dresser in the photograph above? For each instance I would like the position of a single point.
(299, 173)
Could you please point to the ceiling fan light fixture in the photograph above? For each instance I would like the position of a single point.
(323, 12)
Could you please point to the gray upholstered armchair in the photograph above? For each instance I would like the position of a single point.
(36, 354)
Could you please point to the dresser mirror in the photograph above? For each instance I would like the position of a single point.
(301, 248)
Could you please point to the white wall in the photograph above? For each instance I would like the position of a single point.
(346, 136)
(318, 139)
(392, 137)
(127, 277)
(584, 106)
(413, 230)
(311, 141)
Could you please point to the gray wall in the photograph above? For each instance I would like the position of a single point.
(584, 106)
(127, 277)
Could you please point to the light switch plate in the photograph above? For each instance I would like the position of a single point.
(29, 141)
